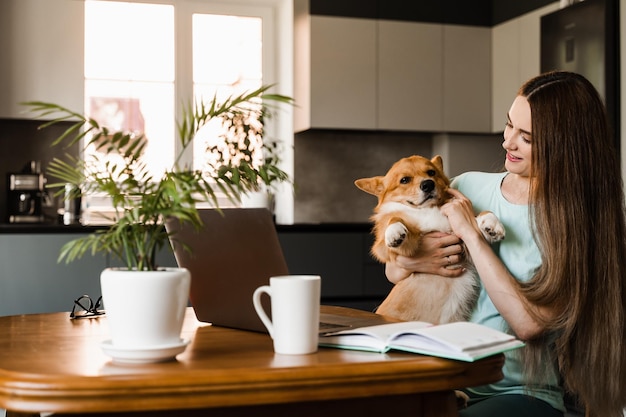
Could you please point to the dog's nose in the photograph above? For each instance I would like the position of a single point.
(427, 186)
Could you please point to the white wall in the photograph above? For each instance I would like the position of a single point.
(41, 58)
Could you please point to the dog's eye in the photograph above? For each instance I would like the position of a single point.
(431, 172)
(405, 180)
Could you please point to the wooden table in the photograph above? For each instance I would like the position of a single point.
(49, 363)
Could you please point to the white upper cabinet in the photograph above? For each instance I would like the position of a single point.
(335, 73)
(506, 76)
(42, 54)
(376, 74)
(343, 72)
(467, 79)
(410, 70)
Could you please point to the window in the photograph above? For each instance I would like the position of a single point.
(129, 73)
(224, 68)
(162, 52)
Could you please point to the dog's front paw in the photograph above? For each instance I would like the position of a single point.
(491, 227)
(395, 234)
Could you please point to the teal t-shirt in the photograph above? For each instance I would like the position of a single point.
(519, 252)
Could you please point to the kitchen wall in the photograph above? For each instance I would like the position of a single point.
(327, 162)
(36, 69)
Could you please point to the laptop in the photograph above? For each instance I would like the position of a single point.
(236, 251)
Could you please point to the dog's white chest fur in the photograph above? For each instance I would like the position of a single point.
(427, 219)
(422, 296)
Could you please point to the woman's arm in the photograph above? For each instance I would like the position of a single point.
(440, 254)
(497, 280)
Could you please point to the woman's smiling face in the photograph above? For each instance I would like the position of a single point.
(518, 138)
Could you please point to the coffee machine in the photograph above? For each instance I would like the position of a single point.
(25, 194)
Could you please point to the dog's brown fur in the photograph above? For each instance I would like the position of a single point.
(409, 199)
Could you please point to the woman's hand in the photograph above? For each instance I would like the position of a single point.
(440, 254)
(460, 214)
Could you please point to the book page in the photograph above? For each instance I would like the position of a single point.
(384, 332)
(460, 340)
(460, 336)
(371, 337)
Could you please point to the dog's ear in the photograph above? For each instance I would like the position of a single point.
(372, 185)
(438, 162)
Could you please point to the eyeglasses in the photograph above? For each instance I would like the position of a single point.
(84, 307)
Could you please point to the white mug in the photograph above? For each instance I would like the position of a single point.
(295, 304)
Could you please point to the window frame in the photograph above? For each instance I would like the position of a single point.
(277, 18)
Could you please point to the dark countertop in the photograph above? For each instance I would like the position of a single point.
(45, 228)
(325, 227)
(25, 228)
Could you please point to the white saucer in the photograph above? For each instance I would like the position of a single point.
(152, 354)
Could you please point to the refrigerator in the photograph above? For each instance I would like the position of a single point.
(584, 38)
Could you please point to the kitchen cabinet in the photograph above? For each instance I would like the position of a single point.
(391, 75)
(42, 54)
(466, 85)
(335, 75)
(516, 58)
(31, 280)
(350, 276)
(410, 66)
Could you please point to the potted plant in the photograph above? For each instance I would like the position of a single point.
(141, 203)
(243, 139)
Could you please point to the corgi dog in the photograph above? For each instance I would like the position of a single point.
(409, 199)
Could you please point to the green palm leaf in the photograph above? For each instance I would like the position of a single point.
(142, 202)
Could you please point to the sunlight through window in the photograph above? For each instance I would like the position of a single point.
(223, 68)
(130, 72)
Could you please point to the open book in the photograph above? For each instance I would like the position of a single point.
(463, 341)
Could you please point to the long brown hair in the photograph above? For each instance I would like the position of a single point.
(579, 219)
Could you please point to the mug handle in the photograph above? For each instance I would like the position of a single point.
(256, 300)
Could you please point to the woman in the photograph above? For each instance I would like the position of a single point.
(557, 280)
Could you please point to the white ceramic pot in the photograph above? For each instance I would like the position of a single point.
(258, 199)
(145, 309)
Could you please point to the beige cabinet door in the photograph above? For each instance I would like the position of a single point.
(42, 53)
(342, 79)
(410, 76)
(467, 79)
